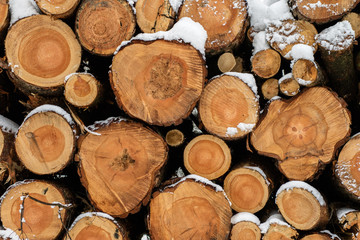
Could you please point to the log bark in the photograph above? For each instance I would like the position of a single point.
(120, 164)
(174, 138)
(4, 18)
(189, 209)
(41, 52)
(167, 73)
(266, 63)
(45, 142)
(224, 21)
(154, 16)
(308, 73)
(207, 156)
(288, 85)
(270, 88)
(102, 25)
(275, 228)
(228, 107)
(35, 210)
(303, 133)
(58, 9)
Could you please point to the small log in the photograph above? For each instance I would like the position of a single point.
(96, 225)
(308, 73)
(348, 218)
(226, 62)
(35, 210)
(82, 90)
(224, 22)
(41, 52)
(58, 9)
(323, 235)
(174, 138)
(207, 156)
(154, 15)
(354, 19)
(266, 63)
(229, 106)
(270, 88)
(304, 133)
(45, 142)
(275, 228)
(302, 205)
(193, 206)
(4, 17)
(102, 25)
(288, 85)
(245, 227)
(120, 162)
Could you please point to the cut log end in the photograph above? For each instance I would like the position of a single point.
(266, 63)
(289, 87)
(305, 72)
(207, 156)
(324, 235)
(226, 62)
(270, 88)
(58, 8)
(174, 138)
(245, 231)
(279, 231)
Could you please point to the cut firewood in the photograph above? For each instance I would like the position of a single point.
(270, 88)
(82, 90)
(207, 156)
(224, 22)
(288, 85)
(308, 73)
(193, 206)
(174, 138)
(229, 106)
(304, 133)
(336, 48)
(58, 9)
(266, 63)
(35, 210)
(302, 205)
(348, 218)
(245, 227)
(322, 11)
(275, 228)
(226, 62)
(102, 25)
(4, 17)
(41, 52)
(154, 15)
(354, 20)
(45, 142)
(323, 235)
(120, 162)
(96, 225)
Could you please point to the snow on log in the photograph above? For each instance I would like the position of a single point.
(245, 227)
(58, 9)
(275, 228)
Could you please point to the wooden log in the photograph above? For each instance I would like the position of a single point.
(302, 205)
(348, 218)
(41, 52)
(229, 106)
(308, 73)
(224, 22)
(4, 17)
(102, 25)
(120, 162)
(154, 16)
(35, 210)
(303, 133)
(58, 9)
(193, 207)
(275, 228)
(174, 138)
(323, 235)
(207, 156)
(270, 88)
(288, 85)
(226, 62)
(245, 227)
(82, 90)
(354, 19)
(96, 225)
(45, 142)
(266, 63)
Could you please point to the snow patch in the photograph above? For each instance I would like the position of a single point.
(77, 73)
(340, 213)
(8, 126)
(273, 219)
(175, 4)
(246, 127)
(132, 4)
(7, 233)
(300, 51)
(231, 131)
(259, 170)
(145, 237)
(284, 77)
(331, 235)
(21, 9)
(104, 123)
(195, 129)
(92, 214)
(245, 217)
(14, 186)
(179, 172)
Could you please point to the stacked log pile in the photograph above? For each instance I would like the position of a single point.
(179, 119)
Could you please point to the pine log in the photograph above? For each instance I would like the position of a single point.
(154, 15)
(224, 22)
(207, 156)
(348, 219)
(245, 227)
(229, 106)
(275, 228)
(101, 25)
(302, 205)
(41, 52)
(174, 138)
(58, 9)
(266, 63)
(308, 73)
(4, 17)
(354, 20)
(45, 142)
(288, 85)
(35, 210)
(120, 162)
(190, 209)
(323, 235)
(282, 35)
(96, 225)
(82, 90)
(270, 88)
(303, 133)
(226, 62)
(164, 86)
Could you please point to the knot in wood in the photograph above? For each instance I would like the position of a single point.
(123, 161)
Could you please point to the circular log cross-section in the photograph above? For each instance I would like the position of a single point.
(45, 142)
(58, 8)
(188, 209)
(228, 107)
(224, 21)
(278, 231)
(82, 90)
(270, 88)
(164, 86)
(245, 231)
(154, 15)
(120, 167)
(289, 86)
(266, 63)
(41, 52)
(101, 25)
(174, 138)
(34, 210)
(207, 156)
(226, 62)
(95, 225)
(307, 73)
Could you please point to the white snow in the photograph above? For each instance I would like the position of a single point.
(300, 51)
(103, 123)
(259, 170)
(284, 77)
(341, 212)
(259, 42)
(231, 131)
(179, 172)
(21, 9)
(132, 4)
(175, 4)
(90, 215)
(337, 37)
(185, 30)
(8, 126)
(195, 112)
(331, 235)
(245, 217)
(273, 219)
(145, 237)
(246, 78)
(195, 129)
(14, 186)
(77, 73)
(303, 82)
(302, 185)
(246, 127)
(7, 233)
(274, 98)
